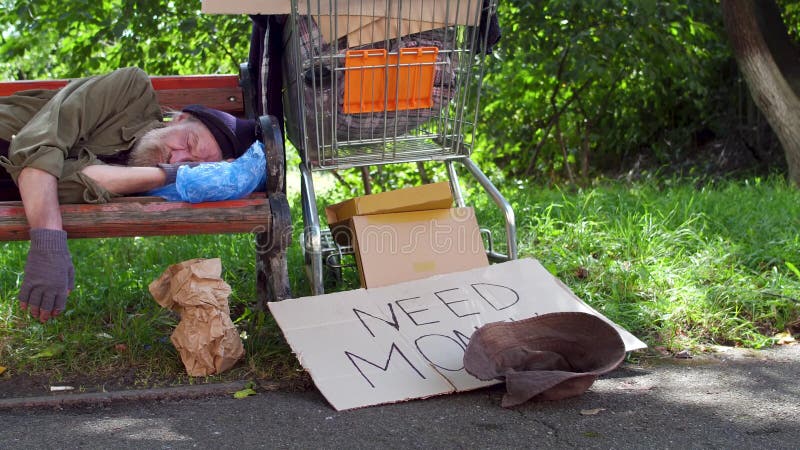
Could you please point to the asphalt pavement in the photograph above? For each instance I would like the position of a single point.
(733, 399)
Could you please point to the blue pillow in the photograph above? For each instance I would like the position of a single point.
(218, 181)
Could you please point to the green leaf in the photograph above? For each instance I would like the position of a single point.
(244, 393)
(793, 268)
(49, 352)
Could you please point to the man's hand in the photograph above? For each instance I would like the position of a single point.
(49, 274)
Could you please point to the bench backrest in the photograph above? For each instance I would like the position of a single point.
(221, 92)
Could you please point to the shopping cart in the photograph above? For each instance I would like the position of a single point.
(374, 82)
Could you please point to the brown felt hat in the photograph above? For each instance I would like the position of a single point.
(548, 357)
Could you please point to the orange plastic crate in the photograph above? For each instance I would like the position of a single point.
(376, 81)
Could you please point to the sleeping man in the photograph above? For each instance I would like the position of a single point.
(92, 140)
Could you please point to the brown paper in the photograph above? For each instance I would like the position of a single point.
(206, 338)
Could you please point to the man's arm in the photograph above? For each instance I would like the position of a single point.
(124, 180)
(49, 274)
(39, 192)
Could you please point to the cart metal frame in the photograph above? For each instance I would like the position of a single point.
(314, 69)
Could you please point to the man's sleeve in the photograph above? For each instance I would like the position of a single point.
(71, 117)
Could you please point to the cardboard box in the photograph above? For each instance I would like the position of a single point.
(425, 197)
(398, 247)
(452, 12)
(387, 19)
(362, 30)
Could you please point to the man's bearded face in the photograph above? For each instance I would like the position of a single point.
(151, 149)
(182, 140)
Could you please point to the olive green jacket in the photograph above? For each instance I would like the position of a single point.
(63, 131)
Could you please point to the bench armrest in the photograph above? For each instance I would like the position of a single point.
(270, 133)
(276, 156)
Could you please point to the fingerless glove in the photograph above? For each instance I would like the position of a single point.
(49, 274)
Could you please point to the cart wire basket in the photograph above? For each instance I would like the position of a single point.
(374, 82)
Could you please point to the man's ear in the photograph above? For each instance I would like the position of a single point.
(179, 117)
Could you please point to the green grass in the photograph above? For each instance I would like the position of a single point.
(676, 265)
(679, 266)
(112, 324)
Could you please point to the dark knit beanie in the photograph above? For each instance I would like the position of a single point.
(233, 135)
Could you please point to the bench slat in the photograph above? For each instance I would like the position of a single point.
(226, 99)
(9, 87)
(194, 81)
(147, 218)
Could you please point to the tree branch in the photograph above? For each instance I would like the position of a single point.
(552, 121)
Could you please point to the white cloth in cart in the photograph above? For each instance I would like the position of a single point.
(318, 62)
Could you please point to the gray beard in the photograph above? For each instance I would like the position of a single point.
(149, 150)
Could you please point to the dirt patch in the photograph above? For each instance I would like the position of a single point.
(23, 385)
(36, 385)
(741, 152)
(27, 385)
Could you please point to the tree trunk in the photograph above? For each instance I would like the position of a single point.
(769, 86)
(366, 179)
(423, 174)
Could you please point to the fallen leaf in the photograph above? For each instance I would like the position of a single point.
(784, 338)
(49, 352)
(244, 393)
(662, 350)
(2, 369)
(591, 412)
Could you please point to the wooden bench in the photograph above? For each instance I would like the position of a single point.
(266, 214)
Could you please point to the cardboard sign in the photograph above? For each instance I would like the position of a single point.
(371, 346)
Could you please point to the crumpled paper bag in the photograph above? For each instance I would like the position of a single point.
(206, 338)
